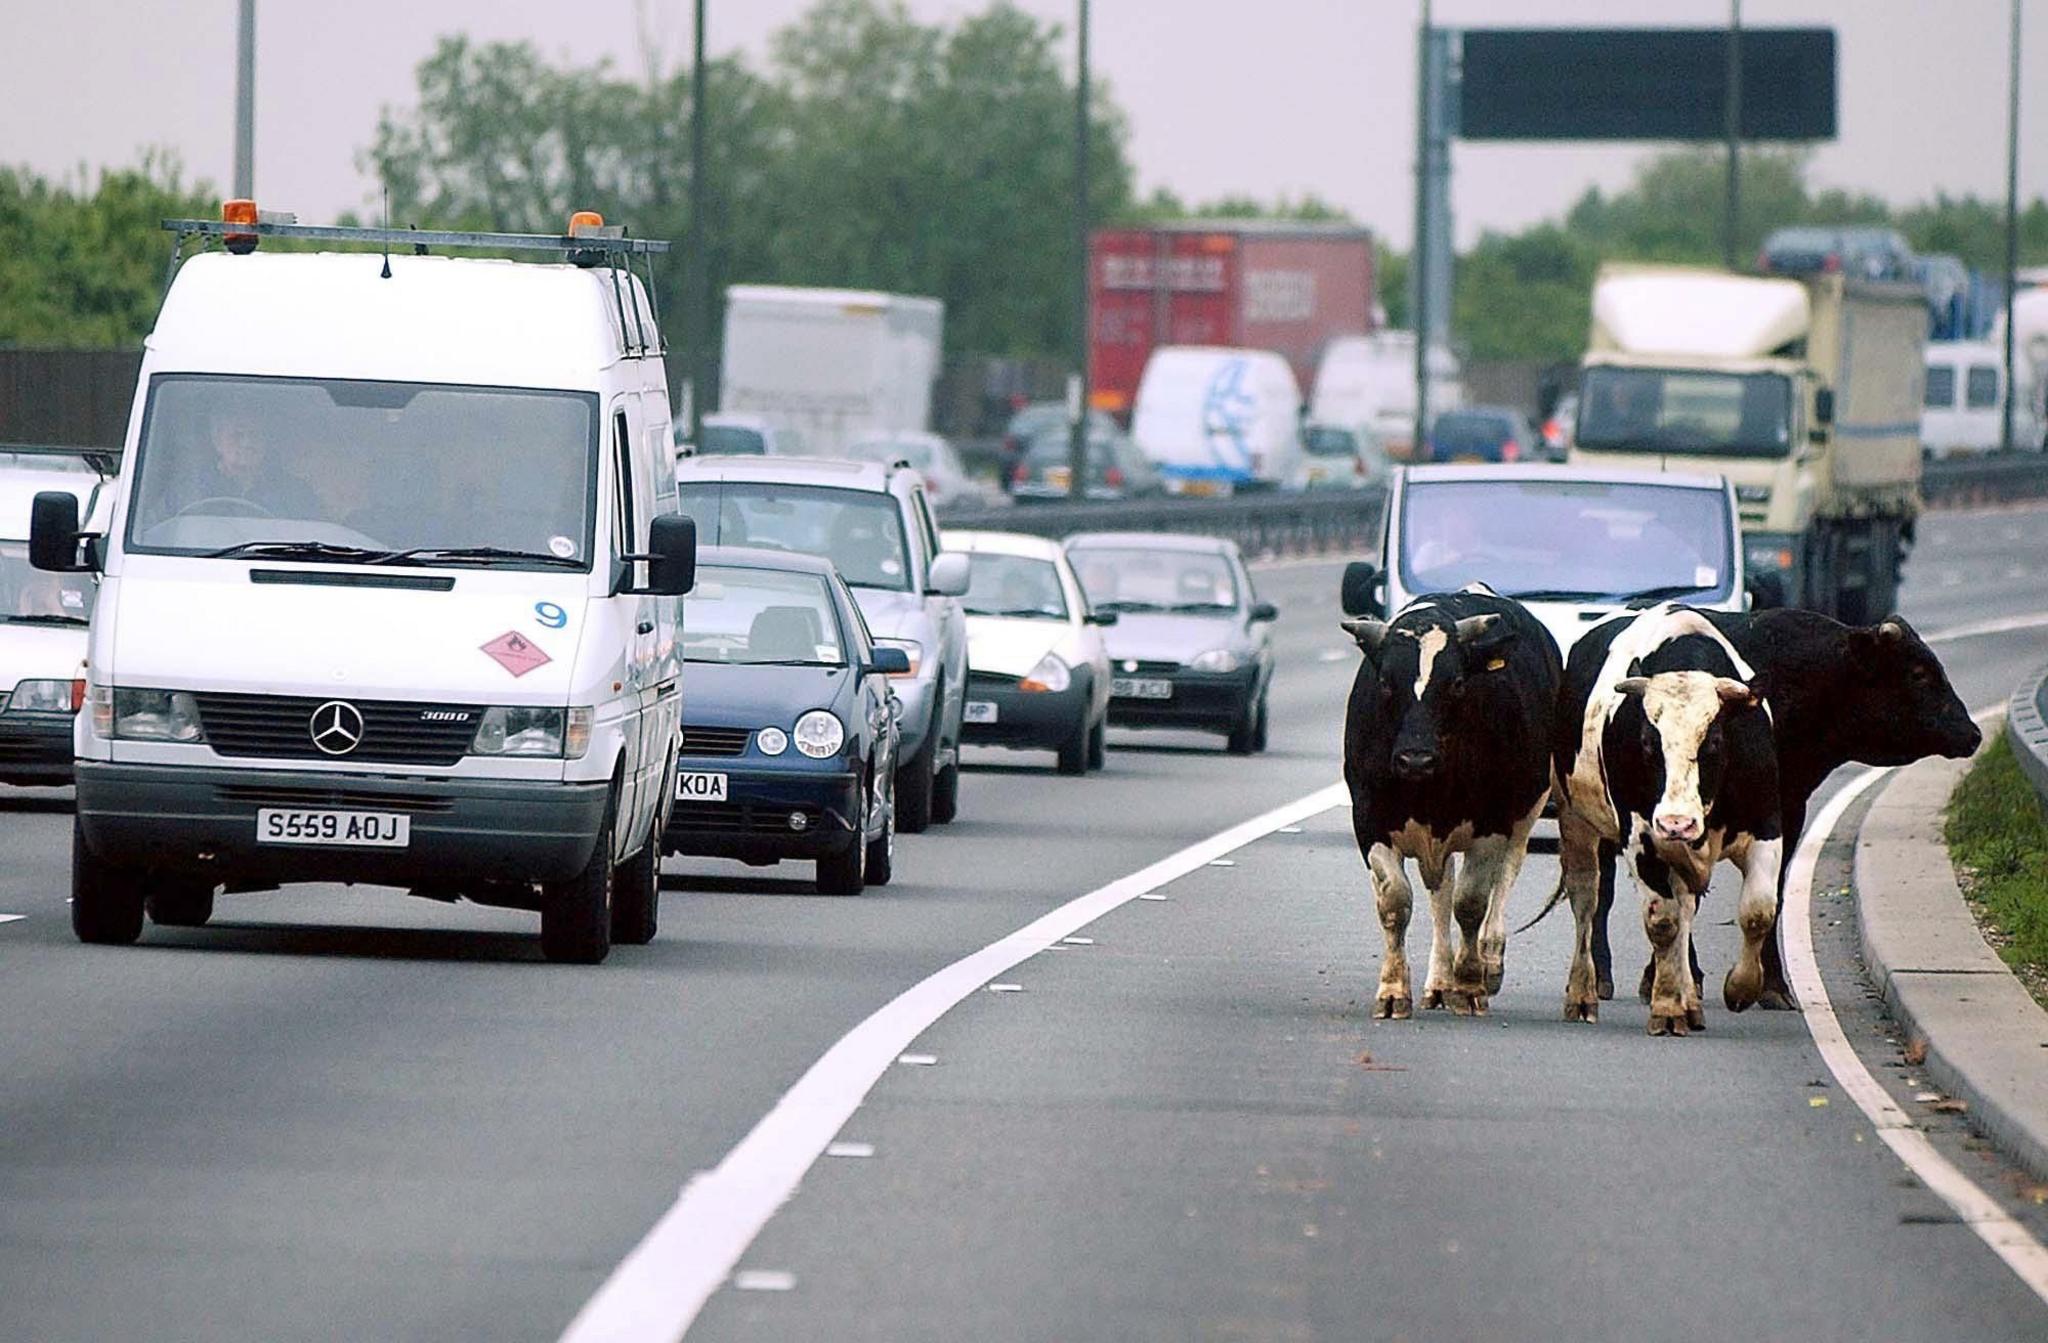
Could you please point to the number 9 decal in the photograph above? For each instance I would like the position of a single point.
(550, 615)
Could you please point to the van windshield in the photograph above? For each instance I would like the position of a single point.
(365, 472)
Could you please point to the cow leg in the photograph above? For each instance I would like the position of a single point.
(1578, 853)
(1777, 992)
(1603, 953)
(1391, 893)
(1493, 933)
(1486, 864)
(1695, 1007)
(1666, 911)
(1757, 915)
(1442, 983)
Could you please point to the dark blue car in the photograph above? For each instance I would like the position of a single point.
(789, 730)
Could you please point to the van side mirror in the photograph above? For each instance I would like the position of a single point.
(949, 575)
(1264, 611)
(671, 555)
(1358, 592)
(1824, 406)
(889, 662)
(53, 533)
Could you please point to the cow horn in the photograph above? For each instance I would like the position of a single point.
(1632, 685)
(1733, 691)
(1477, 629)
(1893, 628)
(1368, 633)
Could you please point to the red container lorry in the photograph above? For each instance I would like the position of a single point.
(1286, 286)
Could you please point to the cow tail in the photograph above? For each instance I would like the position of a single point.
(1548, 905)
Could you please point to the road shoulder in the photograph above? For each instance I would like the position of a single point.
(1987, 1039)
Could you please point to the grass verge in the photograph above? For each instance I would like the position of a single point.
(1997, 834)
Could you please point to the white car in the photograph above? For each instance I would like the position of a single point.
(1037, 669)
(43, 619)
(946, 482)
(736, 435)
(1573, 545)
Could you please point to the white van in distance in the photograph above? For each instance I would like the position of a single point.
(388, 587)
(1217, 420)
(43, 618)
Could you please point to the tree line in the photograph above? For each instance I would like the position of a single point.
(870, 150)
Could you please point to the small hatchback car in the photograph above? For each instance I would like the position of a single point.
(789, 728)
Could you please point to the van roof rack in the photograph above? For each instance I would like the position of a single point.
(105, 462)
(591, 244)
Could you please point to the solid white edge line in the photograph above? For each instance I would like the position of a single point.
(657, 1291)
(12, 918)
(2032, 620)
(2008, 1239)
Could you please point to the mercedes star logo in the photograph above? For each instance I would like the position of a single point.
(337, 727)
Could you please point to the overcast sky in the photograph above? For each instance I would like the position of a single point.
(1268, 97)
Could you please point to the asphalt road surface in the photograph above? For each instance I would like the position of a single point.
(346, 1113)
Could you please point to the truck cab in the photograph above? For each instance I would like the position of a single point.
(388, 587)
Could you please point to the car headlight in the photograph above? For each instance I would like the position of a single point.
(772, 740)
(156, 715)
(46, 697)
(819, 734)
(1215, 660)
(912, 649)
(1050, 674)
(526, 730)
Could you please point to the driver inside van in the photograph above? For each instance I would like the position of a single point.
(239, 468)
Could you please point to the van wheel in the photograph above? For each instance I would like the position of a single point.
(636, 896)
(106, 901)
(915, 786)
(576, 915)
(881, 856)
(180, 905)
(845, 872)
(1098, 744)
(946, 792)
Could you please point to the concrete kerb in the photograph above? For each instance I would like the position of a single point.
(2024, 723)
(1987, 1039)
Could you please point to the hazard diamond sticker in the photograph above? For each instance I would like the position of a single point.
(516, 653)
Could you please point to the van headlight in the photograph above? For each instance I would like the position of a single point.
(819, 734)
(1215, 660)
(527, 730)
(156, 715)
(43, 696)
(1051, 674)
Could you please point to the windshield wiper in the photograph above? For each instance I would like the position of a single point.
(1557, 595)
(473, 554)
(1018, 613)
(298, 550)
(1129, 606)
(782, 662)
(44, 619)
(1651, 596)
(1191, 608)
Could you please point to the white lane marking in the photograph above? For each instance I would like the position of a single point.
(2008, 1239)
(2033, 620)
(850, 1149)
(666, 1279)
(1223, 862)
(917, 1060)
(12, 918)
(1153, 895)
(765, 1280)
(1008, 988)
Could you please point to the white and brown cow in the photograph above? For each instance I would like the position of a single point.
(1446, 754)
(1664, 750)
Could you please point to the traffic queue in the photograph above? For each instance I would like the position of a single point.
(397, 580)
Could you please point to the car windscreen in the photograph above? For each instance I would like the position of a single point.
(30, 596)
(1322, 441)
(860, 531)
(761, 616)
(730, 440)
(1566, 540)
(1014, 585)
(369, 471)
(1199, 582)
(1670, 411)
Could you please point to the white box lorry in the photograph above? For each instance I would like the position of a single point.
(832, 365)
(1804, 392)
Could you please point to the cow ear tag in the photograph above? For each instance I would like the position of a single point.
(1496, 664)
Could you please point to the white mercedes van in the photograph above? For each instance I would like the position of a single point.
(388, 587)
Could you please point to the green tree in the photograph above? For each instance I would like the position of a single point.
(85, 269)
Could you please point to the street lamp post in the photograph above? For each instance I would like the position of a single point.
(2012, 219)
(697, 291)
(1077, 447)
(1731, 219)
(245, 102)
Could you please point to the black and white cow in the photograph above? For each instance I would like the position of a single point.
(1664, 752)
(1839, 694)
(1446, 754)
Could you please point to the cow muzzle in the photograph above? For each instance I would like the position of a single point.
(1415, 764)
(1678, 827)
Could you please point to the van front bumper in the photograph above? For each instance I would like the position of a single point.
(465, 833)
(35, 748)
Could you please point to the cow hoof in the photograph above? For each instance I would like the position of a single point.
(1432, 1000)
(1494, 975)
(1606, 989)
(1587, 1011)
(1463, 1004)
(1673, 1024)
(1395, 1009)
(1739, 992)
(1696, 1017)
(1777, 998)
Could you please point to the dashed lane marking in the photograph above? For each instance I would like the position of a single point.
(664, 1282)
(2008, 1239)
(12, 918)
